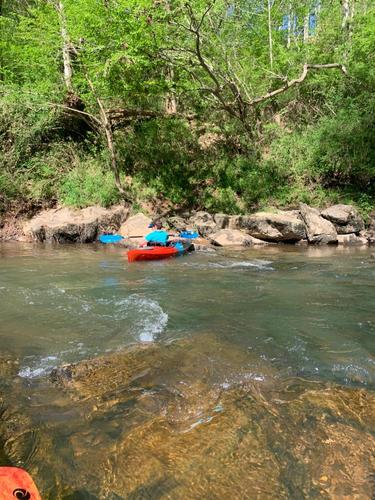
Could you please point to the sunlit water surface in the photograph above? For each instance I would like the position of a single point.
(279, 314)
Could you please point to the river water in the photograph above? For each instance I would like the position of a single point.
(234, 374)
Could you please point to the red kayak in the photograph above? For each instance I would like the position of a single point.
(16, 483)
(158, 253)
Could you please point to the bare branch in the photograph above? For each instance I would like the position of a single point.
(78, 112)
(299, 80)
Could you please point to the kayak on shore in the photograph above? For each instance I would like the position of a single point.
(160, 252)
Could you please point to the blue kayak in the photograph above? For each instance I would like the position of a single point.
(110, 238)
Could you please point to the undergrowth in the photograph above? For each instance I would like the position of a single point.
(330, 161)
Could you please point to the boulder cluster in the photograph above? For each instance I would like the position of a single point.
(338, 224)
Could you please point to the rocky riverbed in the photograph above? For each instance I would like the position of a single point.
(195, 418)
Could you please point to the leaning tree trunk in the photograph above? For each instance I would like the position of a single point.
(107, 127)
(104, 121)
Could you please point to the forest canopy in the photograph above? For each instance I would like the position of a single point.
(222, 105)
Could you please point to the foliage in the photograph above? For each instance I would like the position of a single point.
(310, 143)
(88, 184)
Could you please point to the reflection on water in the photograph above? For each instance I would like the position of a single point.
(257, 383)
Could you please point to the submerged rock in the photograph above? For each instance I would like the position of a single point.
(319, 230)
(68, 225)
(345, 218)
(198, 418)
(351, 239)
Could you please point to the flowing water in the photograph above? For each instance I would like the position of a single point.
(234, 374)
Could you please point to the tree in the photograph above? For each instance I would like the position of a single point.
(220, 64)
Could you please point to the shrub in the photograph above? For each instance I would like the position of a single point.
(88, 184)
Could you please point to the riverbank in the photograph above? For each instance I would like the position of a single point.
(338, 224)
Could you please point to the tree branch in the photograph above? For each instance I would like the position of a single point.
(298, 81)
(88, 116)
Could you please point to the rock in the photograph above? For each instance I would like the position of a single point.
(235, 222)
(234, 237)
(206, 248)
(319, 230)
(177, 223)
(136, 226)
(201, 242)
(371, 221)
(351, 239)
(303, 242)
(68, 225)
(203, 222)
(222, 221)
(345, 218)
(189, 419)
(369, 235)
(276, 227)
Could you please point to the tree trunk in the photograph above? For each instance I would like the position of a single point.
(1, 59)
(345, 13)
(289, 26)
(306, 28)
(68, 72)
(170, 100)
(270, 33)
(107, 127)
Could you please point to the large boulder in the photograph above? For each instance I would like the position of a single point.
(203, 222)
(68, 225)
(345, 218)
(282, 226)
(234, 237)
(319, 230)
(136, 228)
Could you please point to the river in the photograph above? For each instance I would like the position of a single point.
(241, 374)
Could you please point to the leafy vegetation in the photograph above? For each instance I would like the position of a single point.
(227, 106)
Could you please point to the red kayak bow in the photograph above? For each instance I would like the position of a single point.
(15, 483)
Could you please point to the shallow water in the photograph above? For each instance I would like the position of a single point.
(291, 322)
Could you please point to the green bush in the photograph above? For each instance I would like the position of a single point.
(88, 184)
